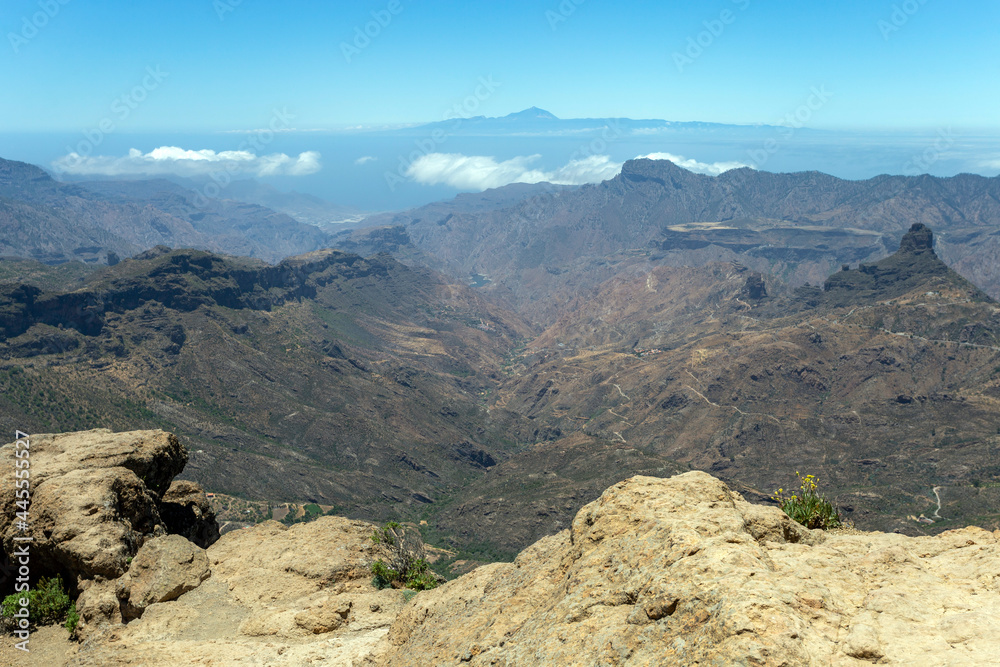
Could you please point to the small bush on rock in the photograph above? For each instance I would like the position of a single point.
(387, 534)
(72, 618)
(403, 564)
(48, 604)
(807, 506)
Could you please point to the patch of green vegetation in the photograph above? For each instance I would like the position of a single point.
(415, 577)
(810, 509)
(405, 568)
(48, 604)
(312, 511)
(72, 618)
(386, 534)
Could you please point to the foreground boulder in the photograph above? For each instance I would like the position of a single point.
(276, 596)
(164, 569)
(94, 499)
(683, 571)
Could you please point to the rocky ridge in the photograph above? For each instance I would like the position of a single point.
(554, 245)
(54, 222)
(685, 571)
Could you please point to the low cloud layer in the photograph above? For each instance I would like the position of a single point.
(710, 168)
(480, 172)
(181, 162)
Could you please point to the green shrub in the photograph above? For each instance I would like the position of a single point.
(807, 506)
(385, 535)
(72, 618)
(384, 575)
(48, 604)
(404, 565)
(418, 578)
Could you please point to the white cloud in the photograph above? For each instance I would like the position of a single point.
(182, 162)
(480, 172)
(593, 169)
(365, 159)
(712, 169)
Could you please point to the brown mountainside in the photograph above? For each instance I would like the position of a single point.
(328, 378)
(549, 247)
(886, 385)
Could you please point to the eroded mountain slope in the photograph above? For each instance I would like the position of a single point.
(553, 245)
(885, 384)
(331, 378)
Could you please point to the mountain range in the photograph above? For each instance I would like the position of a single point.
(353, 382)
(490, 364)
(799, 227)
(53, 222)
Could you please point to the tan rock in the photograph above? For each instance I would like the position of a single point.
(682, 571)
(324, 617)
(163, 569)
(156, 457)
(94, 498)
(89, 522)
(276, 596)
(99, 607)
(655, 572)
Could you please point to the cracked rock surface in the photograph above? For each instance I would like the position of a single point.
(684, 571)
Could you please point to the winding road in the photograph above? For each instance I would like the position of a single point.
(937, 517)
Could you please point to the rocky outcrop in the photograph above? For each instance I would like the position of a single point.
(186, 511)
(915, 264)
(164, 569)
(276, 596)
(684, 571)
(918, 240)
(94, 499)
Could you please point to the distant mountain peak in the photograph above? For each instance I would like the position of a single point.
(915, 266)
(12, 172)
(642, 170)
(532, 113)
(919, 239)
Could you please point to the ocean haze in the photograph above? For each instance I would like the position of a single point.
(372, 170)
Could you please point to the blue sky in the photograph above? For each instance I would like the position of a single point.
(226, 65)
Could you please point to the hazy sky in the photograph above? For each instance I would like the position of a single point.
(227, 64)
